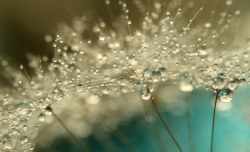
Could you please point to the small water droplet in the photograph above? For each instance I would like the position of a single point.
(145, 94)
(41, 117)
(79, 87)
(162, 69)
(156, 75)
(225, 95)
(24, 139)
(219, 81)
(57, 93)
(232, 85)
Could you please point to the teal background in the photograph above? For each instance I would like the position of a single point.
(232, 129)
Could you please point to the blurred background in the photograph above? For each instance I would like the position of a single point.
(192, 129)
(23, 28)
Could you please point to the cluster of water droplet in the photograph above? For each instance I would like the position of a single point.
(121, 61)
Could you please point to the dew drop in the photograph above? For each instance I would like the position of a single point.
(219, 81)
(145, 94)
(162, 69)
(48, 111)
(41, 117)
(225, 95)
(232, 85)
(156, 75)
(147, 72)
(57, 93)
(79, 88)
(24, 139)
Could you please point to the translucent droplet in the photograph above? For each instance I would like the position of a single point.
(147, 72)
(24, 139)
(232, 85)
(162, 69)
(225, 95)
(156, 75)
(57, 93)
(48, 112)
(145, 94)
(151, 87)
(79, 87)
(41, 117)
(219, 81)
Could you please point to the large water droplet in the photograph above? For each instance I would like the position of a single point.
(225, 95)
(145, 94)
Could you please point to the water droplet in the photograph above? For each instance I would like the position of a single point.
(24, 139)
(232, 85)
(41, 117)
(225, 95)
(219, 81)
(155, 75)
(145, 94)
(57, 93)
(79, 87)
(151, 87)
(48, 111)
(147, 72)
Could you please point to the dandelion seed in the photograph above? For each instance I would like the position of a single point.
(113, 63)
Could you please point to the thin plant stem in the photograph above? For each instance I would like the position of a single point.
(166, 126)
(155, 130)
(82, 144)
(213, 122)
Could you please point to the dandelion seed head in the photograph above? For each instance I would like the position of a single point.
(103, 74)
